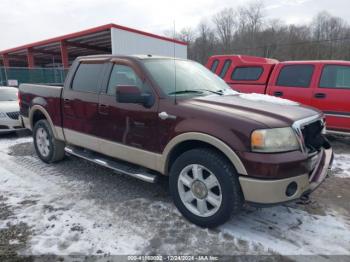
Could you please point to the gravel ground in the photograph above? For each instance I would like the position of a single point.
(78, 208)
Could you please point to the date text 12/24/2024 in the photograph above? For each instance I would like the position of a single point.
(173, 258)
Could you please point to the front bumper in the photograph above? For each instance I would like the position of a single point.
(274, 191)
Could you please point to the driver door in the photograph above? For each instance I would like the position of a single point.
(127, 124)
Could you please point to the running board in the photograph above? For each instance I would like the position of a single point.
(116, 165)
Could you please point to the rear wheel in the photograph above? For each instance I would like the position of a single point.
(205, 187)
(47, 147)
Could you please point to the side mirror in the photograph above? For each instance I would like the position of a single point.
(133, 95)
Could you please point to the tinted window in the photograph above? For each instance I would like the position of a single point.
(246, 73)
(214, 66)
(8, 95)
(190, 76)
(225, 68)
(295, 75)
(87, 77)
(123, 76)
(334, 76)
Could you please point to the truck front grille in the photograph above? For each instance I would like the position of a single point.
(309, 134)
(13, 115)
(312, 134)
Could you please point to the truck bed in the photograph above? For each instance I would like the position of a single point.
(46, 96)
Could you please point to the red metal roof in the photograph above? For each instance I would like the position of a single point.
(85, 33)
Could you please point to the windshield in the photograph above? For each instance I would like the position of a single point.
(8, 95)
(191, 78)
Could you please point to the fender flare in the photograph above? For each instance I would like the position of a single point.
(42, 110)
(217, 143)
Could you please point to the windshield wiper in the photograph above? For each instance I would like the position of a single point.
(219, 92)
(185, 92)
(197, 91)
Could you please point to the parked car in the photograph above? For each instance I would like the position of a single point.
(218, 148)
(9, 110)
(321, 84)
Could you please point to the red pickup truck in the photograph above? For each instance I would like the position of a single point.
(321, 84)
(219, 148)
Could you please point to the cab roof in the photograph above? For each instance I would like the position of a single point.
(317, 62)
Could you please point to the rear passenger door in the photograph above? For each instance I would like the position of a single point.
(332, 95)
(294, 82)
(80, 104)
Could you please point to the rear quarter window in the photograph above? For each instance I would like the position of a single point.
(87, 78)
(214, 65)
(247, 73)
(335, 76)
(224, 69)
(295, 75)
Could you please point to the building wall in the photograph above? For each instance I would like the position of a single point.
(129, 43)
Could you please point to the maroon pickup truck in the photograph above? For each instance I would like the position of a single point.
(148, 116)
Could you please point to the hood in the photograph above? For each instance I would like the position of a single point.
(9, 106)
(267, 110)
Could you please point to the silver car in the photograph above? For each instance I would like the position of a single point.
(9, 110)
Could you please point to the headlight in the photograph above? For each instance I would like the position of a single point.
(2, 115)
(274, 140)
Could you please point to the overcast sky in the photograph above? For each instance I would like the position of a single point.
(24, 21)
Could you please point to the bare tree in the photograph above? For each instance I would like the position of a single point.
(205, 42)
(225, 26)
(187, 35)
(245, 30)
(329, 29)
(251, 17)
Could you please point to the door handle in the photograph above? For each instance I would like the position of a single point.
(320, 95)
(164, 116)
(66, 103)
(278, 93)
(103, 109)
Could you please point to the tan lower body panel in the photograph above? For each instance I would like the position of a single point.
(272, 191)
(112, 149)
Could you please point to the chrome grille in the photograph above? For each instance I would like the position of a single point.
(13, 115)
(312, 134)
(299, 128)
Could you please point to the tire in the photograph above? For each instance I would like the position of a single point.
(195, 198)
(54, 149)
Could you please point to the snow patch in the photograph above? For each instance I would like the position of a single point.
(341, 165)
(8, 142)
(14, 242)
(62, 224)
(268, 99)
(291, 231)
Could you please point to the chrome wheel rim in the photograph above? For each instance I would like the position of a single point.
(42, 142)
(199, 190)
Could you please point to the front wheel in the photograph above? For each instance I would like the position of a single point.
(47, 147)
(205, 187)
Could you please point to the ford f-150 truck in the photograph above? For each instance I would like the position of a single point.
(321, 84)
(147, 116)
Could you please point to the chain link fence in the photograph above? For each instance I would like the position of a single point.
(20, 75)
